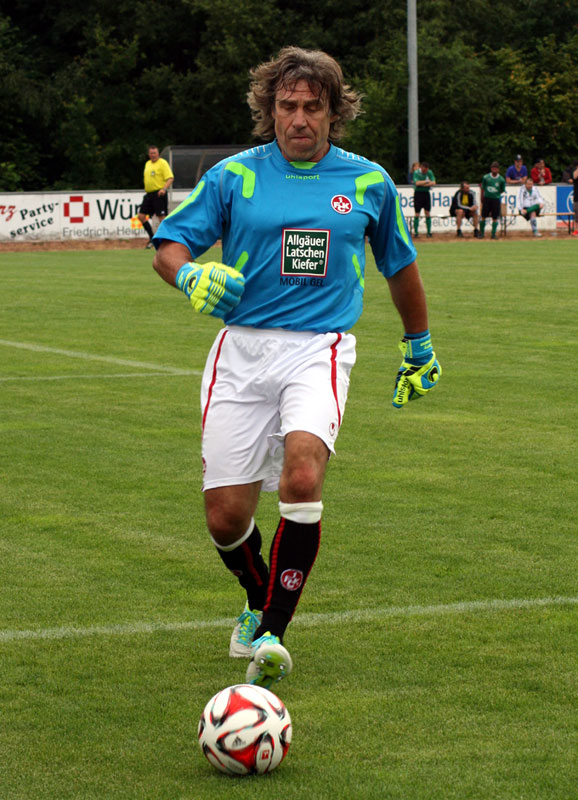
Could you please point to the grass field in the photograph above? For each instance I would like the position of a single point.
(436, 644)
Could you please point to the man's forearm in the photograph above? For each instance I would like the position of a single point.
(408, 295)
(169, 258)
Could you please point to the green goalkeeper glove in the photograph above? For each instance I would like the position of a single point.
(212, 288)
(419, 371)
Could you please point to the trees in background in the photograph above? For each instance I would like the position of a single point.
(85, 89)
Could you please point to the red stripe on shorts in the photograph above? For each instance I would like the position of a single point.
(213, 378)
(334, 375)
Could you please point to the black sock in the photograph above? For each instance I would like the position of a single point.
(147, 226)
(248, 566)
(293, 553)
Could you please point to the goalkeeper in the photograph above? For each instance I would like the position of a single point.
(293, 216)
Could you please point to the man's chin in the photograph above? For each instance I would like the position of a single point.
(300, 153)
(305, 151)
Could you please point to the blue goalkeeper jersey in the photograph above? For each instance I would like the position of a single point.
(297, 232)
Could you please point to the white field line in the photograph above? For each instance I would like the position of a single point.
(375, 615)
(113, 376)
(123, 362)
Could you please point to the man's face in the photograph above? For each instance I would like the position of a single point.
(494, 169)
(154, 154)
(518, 162)
(529, 184)
(466, 187)
(302, 123)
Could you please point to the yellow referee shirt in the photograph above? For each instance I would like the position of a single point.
(156, 174)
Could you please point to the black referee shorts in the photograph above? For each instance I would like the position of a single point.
(153, 205)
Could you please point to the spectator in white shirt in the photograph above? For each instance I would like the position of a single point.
(530, 204)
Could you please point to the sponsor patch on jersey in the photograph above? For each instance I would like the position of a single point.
(341, 204)
(305, 252)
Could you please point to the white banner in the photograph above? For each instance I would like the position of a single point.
(441, 200)
(70, 216)
(73, 216)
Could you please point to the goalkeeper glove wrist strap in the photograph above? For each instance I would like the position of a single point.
(185, 277)
(416, 348)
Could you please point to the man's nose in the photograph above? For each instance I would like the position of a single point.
(299, 120)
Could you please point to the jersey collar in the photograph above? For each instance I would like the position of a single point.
(298, 168)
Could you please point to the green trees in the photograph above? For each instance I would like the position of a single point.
(86, 88)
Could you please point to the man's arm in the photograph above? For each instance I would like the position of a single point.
(408, 295)
(167, 186)
(510, 180)
(420, 370)
(169, 258)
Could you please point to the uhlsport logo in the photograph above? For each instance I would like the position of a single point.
(76, 208)
(341, 204)
(292, 579)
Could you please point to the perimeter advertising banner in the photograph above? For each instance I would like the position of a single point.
(73, 216)
(441, 199)
(69, 216)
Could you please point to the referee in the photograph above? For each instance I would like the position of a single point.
(158, 179)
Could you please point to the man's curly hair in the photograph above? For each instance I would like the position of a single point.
(293, 64)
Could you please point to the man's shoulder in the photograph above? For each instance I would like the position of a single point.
(356, 161)
(251, 159)
(259, 152)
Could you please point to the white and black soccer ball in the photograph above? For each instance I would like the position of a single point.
(245, 730)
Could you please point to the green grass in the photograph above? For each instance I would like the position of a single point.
(429, 661)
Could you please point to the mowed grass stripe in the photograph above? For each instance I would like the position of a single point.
(305, 620)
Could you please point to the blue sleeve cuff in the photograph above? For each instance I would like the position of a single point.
(419, 348)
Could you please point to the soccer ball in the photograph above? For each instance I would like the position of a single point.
(245, 730)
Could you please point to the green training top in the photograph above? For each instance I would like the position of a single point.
(493, 186)
(419, 176)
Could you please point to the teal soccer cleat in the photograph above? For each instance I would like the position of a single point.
(270, 663)
(242, 637)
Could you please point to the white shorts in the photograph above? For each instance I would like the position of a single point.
(258, 386)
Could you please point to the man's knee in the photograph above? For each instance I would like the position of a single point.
(303, 469)
(229, 511)
(301, 480)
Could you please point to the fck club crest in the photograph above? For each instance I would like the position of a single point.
(341, 204)
(292, 579)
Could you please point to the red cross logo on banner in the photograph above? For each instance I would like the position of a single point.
(76, 208)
